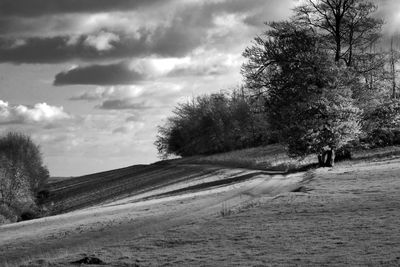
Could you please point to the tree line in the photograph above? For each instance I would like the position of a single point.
(320, 82)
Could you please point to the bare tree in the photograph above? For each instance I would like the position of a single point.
(393, 59)
(347, 25)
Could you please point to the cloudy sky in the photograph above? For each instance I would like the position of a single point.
(90, 80)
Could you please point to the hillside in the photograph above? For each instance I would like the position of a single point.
(183, 213)
(141, 181)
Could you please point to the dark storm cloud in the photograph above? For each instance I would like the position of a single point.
(186, 30)
(118, 104)
(112, 74)
(170, 41)
(31, 8)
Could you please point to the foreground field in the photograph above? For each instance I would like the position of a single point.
(342, 216)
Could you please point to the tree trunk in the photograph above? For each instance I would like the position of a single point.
(330, 160)
(320, 160)
(326, 158)
(393, 69)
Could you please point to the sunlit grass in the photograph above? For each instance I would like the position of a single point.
(272, 157)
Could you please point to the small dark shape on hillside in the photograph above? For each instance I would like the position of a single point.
(42, 195)
(89, 260)
(27, 215)
(301, 189)
(343, 154)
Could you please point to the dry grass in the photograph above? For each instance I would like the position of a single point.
(274, 157)
(271, 157)
(346, 217)
(225, 210)
(349, 218)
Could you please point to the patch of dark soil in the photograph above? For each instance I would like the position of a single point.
(301, 189)
(89, 261)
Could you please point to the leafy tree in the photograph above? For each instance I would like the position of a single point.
(385, 115)
(308, 96)
(22, 151)
(22, 173)
(13, 184)
(211, 124)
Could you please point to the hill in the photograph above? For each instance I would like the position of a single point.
(183, 213)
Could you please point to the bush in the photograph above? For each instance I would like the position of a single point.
(383, 137)
(22, 175)
(343, 153)
(7, 214)
(381, 125)
(24, 154)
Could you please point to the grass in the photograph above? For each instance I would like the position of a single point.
(271, 157)
(274, 158)
(381, 152)
(225, 210)
(348, 219)
(45, 258)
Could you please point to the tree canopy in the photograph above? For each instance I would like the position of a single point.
(308, 96)
(212, 123)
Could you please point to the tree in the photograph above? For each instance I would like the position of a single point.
(308, 95)
(210, 124)
(22, 151)
(22, 173)
(13, 183)
(346, 25)
(393, 60)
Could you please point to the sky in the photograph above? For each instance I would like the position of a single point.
(90, 80)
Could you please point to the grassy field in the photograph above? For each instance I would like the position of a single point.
(182, 213)
(274, 157)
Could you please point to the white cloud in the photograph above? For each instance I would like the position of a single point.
(102, 41)
(39, 113)
(110, 93)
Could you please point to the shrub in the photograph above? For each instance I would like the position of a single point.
(7, 214)
(383, 137)
(381, 125)
(22, 174)
(24, 154)
(343, 153)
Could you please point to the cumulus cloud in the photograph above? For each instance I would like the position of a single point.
(163, 41)
(128, 73)
(129, 128)
(39, 113)
(102, 41)
(206, 65)
(133, 98)
(111, 74)
(165, 30)
(113, 92)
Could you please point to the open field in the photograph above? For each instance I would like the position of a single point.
(342, 216)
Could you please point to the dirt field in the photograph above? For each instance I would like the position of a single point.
(348, 215)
